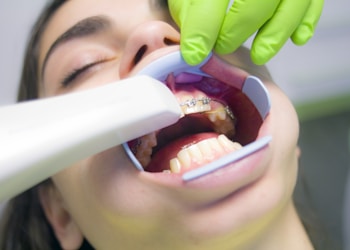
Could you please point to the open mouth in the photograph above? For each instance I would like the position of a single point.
(223, 113)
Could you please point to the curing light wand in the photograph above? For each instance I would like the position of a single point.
(39, 138)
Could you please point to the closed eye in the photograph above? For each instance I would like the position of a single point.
(75, 73)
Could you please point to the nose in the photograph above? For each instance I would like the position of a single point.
(145, 39)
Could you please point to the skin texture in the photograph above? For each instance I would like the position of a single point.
(107, 201)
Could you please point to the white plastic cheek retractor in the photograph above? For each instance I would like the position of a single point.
(252, 87)
(40, 138)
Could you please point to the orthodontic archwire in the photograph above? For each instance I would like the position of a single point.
(206, 101)
(192, 102)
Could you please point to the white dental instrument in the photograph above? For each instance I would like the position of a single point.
(39, 138)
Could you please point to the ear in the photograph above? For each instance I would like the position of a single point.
(66, 230)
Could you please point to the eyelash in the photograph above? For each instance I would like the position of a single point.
(75, 73)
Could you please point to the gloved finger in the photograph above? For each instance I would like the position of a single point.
(274, 34)
(307, 26)
(200, 25)
(178, 10)
(243, 19)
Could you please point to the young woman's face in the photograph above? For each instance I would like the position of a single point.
(104, 198)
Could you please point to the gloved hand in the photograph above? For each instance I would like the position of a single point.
(208, 24)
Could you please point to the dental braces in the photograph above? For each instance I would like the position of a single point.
(229, 112)
(193, 102)
(205, 101)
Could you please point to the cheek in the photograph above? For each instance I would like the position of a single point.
(287, 150)
(286, 126)
(108, 183)
(285, 173)
(276, 188)
(274, 193)
(91, 183)
(108, 180)
(102, 191)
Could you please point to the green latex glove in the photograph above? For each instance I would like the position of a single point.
(208, 24)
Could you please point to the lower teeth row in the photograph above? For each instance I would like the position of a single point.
(202, 152)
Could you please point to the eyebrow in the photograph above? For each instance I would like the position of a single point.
(84, 28)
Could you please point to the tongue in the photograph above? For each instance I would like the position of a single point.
(160, 160)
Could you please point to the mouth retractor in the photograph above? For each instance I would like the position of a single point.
(253, 88)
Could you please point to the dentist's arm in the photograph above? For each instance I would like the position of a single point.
(213, 24)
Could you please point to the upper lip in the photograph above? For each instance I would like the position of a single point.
(230, 75)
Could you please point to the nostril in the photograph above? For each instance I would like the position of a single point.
(168, 41)
(140, 53)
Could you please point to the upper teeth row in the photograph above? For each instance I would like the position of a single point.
(193, 102)
(196, 105)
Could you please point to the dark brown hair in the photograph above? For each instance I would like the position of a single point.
(28, 88)
(24, 225)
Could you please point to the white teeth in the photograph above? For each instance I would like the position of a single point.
(184, 158)
(191, 105)
(202, 152)
(214, 145)
(227, 144)
(195, 153)
(220, 114)
(225, 126)
(144, 147)
(175, 165)
(205, 148)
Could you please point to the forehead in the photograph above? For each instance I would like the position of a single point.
(125, 13)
